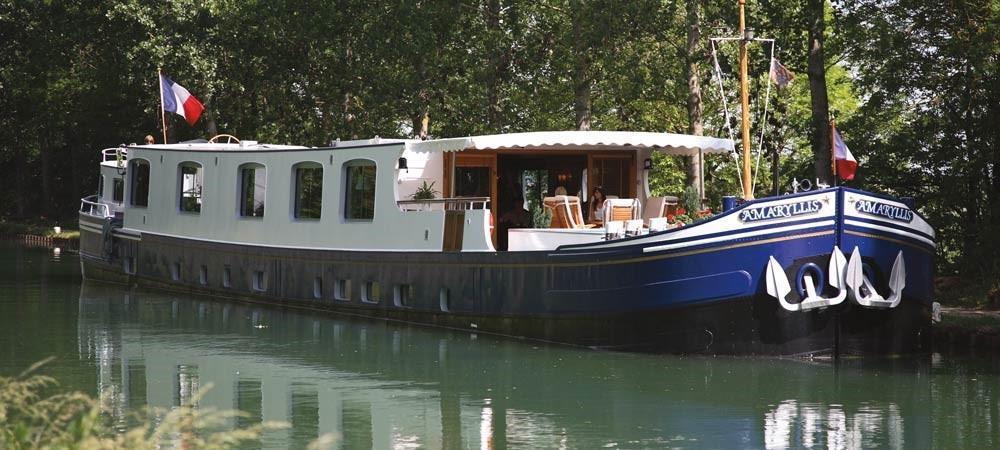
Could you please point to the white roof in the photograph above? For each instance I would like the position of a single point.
(219, 146)
(673, 144)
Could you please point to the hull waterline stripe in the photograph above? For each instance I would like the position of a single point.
(889, 239)
(913, 236)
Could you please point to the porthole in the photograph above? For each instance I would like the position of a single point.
(129, 265)
(401, 295)
(318, 287)
(445, 300)
(259, 281)
(342, 290)
(372, 292)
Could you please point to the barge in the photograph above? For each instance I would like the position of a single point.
(830, 271)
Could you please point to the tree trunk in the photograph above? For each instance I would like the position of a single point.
(210, 127)
(45, 161)
(494, 73)
(581, 71)
(694, 108)
(821, 146)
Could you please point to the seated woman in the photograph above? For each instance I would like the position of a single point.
(595, 213)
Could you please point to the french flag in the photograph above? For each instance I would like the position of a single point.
(845, 163)
(178, 100)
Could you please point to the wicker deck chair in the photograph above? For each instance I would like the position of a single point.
(621, 209)
(566, 212)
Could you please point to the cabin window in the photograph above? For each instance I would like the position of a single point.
(359, 178)
(129, 265)
(342, 290)
(401, 295)
(372, 292)
(253, 186)
(117, 190)
(138, 173)
(191, 182)
(308, 190)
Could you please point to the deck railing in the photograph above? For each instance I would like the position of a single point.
(111, 154)
(90, 205)
(447, 204)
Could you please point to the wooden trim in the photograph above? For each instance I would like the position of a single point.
(449, 169)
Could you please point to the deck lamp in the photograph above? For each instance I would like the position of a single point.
(647, 164)
(402, 165)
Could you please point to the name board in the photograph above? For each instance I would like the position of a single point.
(780, 211)
(891, 212)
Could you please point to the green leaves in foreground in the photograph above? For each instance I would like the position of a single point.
(34, 416)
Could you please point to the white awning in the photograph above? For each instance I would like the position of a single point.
(671, 144)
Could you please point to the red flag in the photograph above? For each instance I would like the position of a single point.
(844, 160)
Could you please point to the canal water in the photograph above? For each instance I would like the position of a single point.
(390, 385)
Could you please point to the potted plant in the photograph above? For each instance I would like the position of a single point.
(425, 192)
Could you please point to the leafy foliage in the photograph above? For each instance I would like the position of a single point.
(913, 86)
(33, 415)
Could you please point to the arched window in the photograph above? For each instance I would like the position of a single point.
(359, 179)
(253, 186)
(308, 190)
(138, 173)
(191, 182)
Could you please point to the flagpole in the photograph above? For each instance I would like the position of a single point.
(163, 114)
(833, 150)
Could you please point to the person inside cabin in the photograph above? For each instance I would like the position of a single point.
(516, 216)
(596, 209)
(149, 139)
(560, 190)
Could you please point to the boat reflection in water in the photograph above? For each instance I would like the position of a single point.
(386, 385)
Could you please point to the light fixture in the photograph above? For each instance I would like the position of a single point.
(748, 34)
(402, 165)
(647, 164)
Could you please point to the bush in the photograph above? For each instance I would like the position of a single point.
(33, 417)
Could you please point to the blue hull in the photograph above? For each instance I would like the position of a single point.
(701, 289)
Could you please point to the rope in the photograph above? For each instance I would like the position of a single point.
(725, 104)
(763, 124)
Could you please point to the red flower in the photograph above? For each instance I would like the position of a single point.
(681, 211)
(670, 218)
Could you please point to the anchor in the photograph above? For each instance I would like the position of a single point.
(863, 292)
(779, 288)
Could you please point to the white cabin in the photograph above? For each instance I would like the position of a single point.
(357, 195)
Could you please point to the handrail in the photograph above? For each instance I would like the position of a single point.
(90, 205)
(111, 154)
(450, 204)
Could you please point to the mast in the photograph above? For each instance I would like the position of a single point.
(163, 113)
(745, 105)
